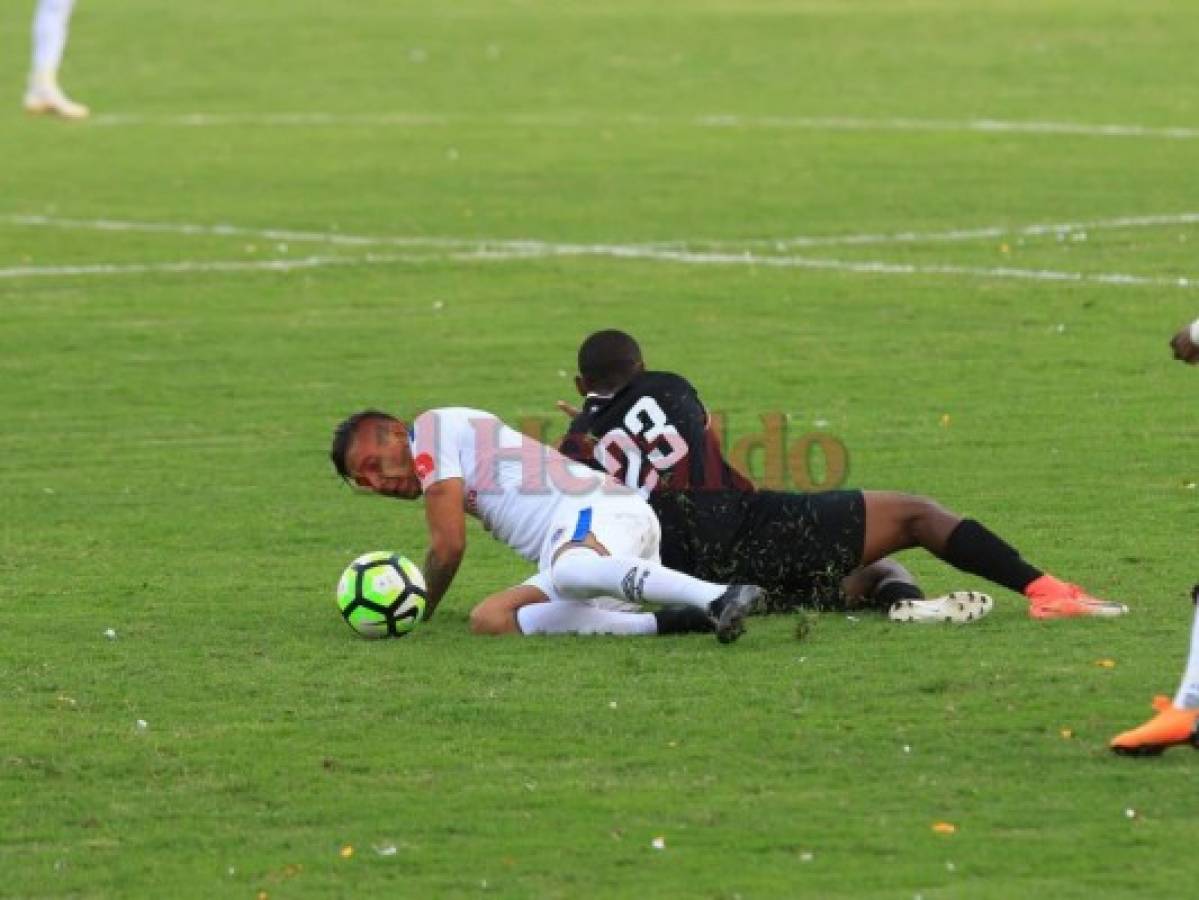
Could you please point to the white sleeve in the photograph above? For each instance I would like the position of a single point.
(436, 450)
(1195, 332)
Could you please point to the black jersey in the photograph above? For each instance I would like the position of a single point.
(653, 435)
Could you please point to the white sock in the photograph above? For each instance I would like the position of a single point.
(50, 23)
(1188, 692)
(581, 574)
(572, 617)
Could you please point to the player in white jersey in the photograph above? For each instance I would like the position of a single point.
(51, 21)
(590, 536)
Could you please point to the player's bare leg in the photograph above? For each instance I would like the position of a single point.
(896, 521)
(44, 95)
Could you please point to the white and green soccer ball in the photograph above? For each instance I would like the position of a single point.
(382, 594)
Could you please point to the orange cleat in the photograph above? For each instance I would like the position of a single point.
(1171, 727)
(1050, 598)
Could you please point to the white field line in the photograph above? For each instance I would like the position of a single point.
(526, 245)
(582, 120)
(1056, 229)
(186, 266)
(199, 230)
(491, 254)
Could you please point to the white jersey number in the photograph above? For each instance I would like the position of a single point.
(620, 454)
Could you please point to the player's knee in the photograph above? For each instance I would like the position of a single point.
(486, 618)
(918, 511)
(571, 574)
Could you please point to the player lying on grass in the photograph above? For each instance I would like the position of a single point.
(590, 536)
(796, 545)
(1177, 721)
(652, 431)
(581, 528)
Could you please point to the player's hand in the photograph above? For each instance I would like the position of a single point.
(1184, 348)
(571, 412)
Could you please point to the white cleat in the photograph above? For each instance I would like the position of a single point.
(51, 101)
(957, 608)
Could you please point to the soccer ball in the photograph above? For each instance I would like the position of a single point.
(382, 594)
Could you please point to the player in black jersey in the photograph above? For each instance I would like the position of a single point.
(651, 430)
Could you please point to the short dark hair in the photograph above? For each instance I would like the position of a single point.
(607, 359)
(343, 436)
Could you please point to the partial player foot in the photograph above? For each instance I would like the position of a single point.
(683, 620)
(1171, 727)
(730, 609)
(958, 607)
(1050, 598)
(40, 101)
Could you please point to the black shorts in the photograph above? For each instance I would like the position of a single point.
(797, 546)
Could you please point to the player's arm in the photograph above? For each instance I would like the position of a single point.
(578, 444)
(1185, 343)
(497, 614)
(446, 520)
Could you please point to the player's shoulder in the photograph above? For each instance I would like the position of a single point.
(450, 421)
(669, 389)
(653, 383)
(454, 414)
(674, 393)
(661, 381)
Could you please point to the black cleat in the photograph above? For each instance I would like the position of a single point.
(731, 608)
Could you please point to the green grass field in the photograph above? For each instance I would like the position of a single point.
(431, 207)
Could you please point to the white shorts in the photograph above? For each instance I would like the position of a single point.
(624, 523)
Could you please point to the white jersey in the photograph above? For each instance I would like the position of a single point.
(516, 486)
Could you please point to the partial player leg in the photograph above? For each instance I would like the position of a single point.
(581, 571)
(1175, 723)
(897, 521)
(887, 585)
(610, 549)
(50, 26)
(528, 609)
(571, 617)
(879, 584)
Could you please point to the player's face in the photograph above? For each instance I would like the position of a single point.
(380, 460)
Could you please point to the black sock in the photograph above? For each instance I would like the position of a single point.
(683, 620)
(892, 590)
(974, 548)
